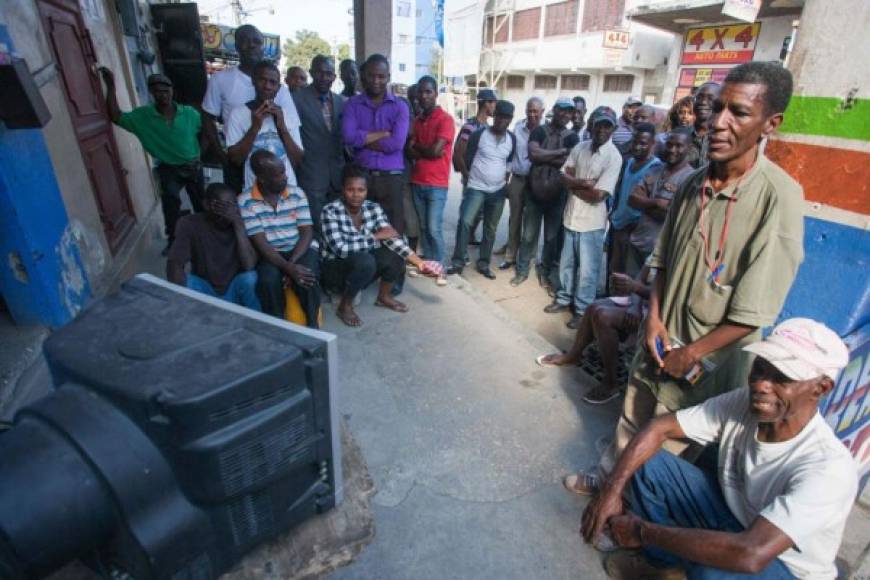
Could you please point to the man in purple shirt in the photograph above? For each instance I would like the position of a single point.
(375, 127)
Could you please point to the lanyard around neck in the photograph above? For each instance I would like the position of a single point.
(716, 265)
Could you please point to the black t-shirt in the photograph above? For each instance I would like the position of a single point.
(541, 132)
(213, 252)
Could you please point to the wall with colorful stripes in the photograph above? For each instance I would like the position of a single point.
(824, 143)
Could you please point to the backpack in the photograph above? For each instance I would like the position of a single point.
(545, 181)
(474, 142)
(476, 125)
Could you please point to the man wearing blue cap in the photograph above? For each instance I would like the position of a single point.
(590, 174)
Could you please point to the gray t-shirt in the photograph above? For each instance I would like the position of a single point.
(488, 171)
(656, 184)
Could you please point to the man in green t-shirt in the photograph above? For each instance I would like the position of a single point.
(169, 132)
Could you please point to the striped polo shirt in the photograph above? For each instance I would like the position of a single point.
(281, 223)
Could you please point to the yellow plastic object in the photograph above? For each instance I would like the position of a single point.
(293, 309)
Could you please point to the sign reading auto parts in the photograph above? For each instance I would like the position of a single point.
(720, 44)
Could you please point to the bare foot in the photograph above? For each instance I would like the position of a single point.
(391, 303)
(348, 316)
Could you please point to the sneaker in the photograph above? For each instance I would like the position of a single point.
(518, 279)
(582, 483)
(631, 565)
(556, 307)
(454, 270)
(441, 281)
(413, 272)
(506, 265)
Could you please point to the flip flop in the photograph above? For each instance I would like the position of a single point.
(542, 363)
(581, 483)
(397, 307)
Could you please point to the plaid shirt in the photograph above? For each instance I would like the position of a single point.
(341, 238)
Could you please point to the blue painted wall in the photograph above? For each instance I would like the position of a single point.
(42, 279)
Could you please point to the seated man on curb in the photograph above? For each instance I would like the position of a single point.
(785, 484)
(360, 245)
(279, 224)
(215, 243)
(608, 321)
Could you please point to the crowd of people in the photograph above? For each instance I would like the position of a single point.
(682, 239)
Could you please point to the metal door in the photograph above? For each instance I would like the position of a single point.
(76, 61)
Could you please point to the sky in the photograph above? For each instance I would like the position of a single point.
(329, 18)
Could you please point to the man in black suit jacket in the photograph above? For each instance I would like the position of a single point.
(320, 111)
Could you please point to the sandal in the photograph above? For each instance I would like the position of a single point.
(600, 395)
(581, 483)
(544, 363)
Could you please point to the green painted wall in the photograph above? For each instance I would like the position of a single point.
(827, 116)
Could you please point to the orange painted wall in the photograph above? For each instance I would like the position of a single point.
(837, 177)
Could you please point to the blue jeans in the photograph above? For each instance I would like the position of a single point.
(493, 206)
(241, 289)
(670, 491)
(579, 266)
(430, 201)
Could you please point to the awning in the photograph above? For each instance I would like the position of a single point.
(675, 16)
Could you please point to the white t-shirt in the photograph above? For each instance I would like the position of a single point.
(231, 88)
(238, 123)
(488, 171)
(804, 486)
(603, 166)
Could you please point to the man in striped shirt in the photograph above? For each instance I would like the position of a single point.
(278, 222)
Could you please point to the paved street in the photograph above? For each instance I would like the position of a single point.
(465, 437)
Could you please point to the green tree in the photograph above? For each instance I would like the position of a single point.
(343, 52)
(306, 46)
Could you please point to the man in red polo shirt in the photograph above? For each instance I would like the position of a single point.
(430, 147)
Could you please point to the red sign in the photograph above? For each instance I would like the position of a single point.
(721, 44)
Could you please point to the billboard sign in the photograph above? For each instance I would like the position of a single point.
(732, 45)
(616, 39)
(219, 41)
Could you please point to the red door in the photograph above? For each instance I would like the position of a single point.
(76, 62)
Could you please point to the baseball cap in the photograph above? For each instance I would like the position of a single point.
(159, 79)
(602, 114)
(803, 349)
(486, 95)
(504, 109)
(564, 103)
(632, 101)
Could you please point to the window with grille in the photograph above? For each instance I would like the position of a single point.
(527, 24)
(403, 8)
(545, 82)
(602, 14)
(402, 67)
(618, 83)
(575, 82)
(516, 82)
(561, 18)
(491, 28)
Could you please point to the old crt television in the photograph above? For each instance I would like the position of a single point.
(182, 432)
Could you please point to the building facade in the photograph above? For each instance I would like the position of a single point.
(570, 48)
(426, 39)
(403, 56)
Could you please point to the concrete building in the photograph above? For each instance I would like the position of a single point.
(426, 39)
(403, 56)
(825, 145)
(77, 199)
(571, 47)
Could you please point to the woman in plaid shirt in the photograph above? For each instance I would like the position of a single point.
(360, 245)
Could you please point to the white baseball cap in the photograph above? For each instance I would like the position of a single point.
(803, 349)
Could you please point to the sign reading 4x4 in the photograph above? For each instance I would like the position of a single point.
(720, 44)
